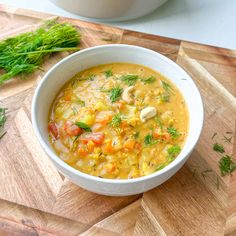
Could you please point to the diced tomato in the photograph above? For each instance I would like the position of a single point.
(53, 129)
(72, 129)
(97, 138)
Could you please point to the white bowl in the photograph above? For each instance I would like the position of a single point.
(64, 70)
(110, 10)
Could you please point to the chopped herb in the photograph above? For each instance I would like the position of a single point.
(76, 138)
(213, 136)
(136, 135)
(218, 148)
(148, 80)
(159, 122)
(226, 165)
(81, 102)
(148, 140)
(108, 73)
(3, 119)
(129, 79)
(25, 53)
(115, 94)
(164, 97)
(217, 183)
(174, 151)
(227, 139)
(116, 120)
(167, 87)
(107, 39)
(173, 132)
(205, 172)
(229, 132)
(83, 126)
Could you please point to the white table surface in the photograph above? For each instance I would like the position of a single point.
(210, 22)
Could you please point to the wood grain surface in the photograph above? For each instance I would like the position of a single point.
(36, 200)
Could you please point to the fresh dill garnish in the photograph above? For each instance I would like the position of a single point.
(80, 102)
(205, 172)
(148, 140)
(23, 54)
(227, 139)
(164, 97)
(108, 73)
(148, 80)
(129, 79)
(226, 165)
(115, 94)
(173, 132)
(116, 120)
(213, 136)
(159, 121)
(136, 135)
(218, 148)
(83, 126)
(3, 119)
(173, 151)
(167, 87)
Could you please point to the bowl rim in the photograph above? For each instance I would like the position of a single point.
(52, 155)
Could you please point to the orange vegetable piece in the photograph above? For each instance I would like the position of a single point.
(97, 138)
(82, 151)
(108, 148)
(90, 145)
(110, 167)
(129, 144)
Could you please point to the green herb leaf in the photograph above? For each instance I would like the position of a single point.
(129, 79)
(164, 97)
(148, 140)
(148, 80)
(167, 87)
(173, 132)
(174, 151)
(23, 54)
(83, 126)
(226, 165)
(218, 148)
(115, 94)
(108, 73)
(116, 120)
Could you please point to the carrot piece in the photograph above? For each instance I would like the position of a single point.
(108, 148)
(105, 120)
(120, 104)
(67, 97)
(97, 127)
(97, 138)
(82, 151)
(129, 144)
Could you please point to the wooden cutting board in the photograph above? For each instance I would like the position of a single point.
(36, 200)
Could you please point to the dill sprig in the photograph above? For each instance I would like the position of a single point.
(115, 93)
(116, 120)
(148, 140)
(148, 80)
(226, 164)
(173, 132)
(23, 54)
(167, 87)
(108, 73)
(218, 148)
(3, 119)
(83, 126)
(129, 79)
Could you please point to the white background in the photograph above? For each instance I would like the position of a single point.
(205, 21)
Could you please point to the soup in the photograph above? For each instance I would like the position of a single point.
(118, 121)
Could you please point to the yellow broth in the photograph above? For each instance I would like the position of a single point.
(118, 121)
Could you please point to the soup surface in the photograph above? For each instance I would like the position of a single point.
(118, 121)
